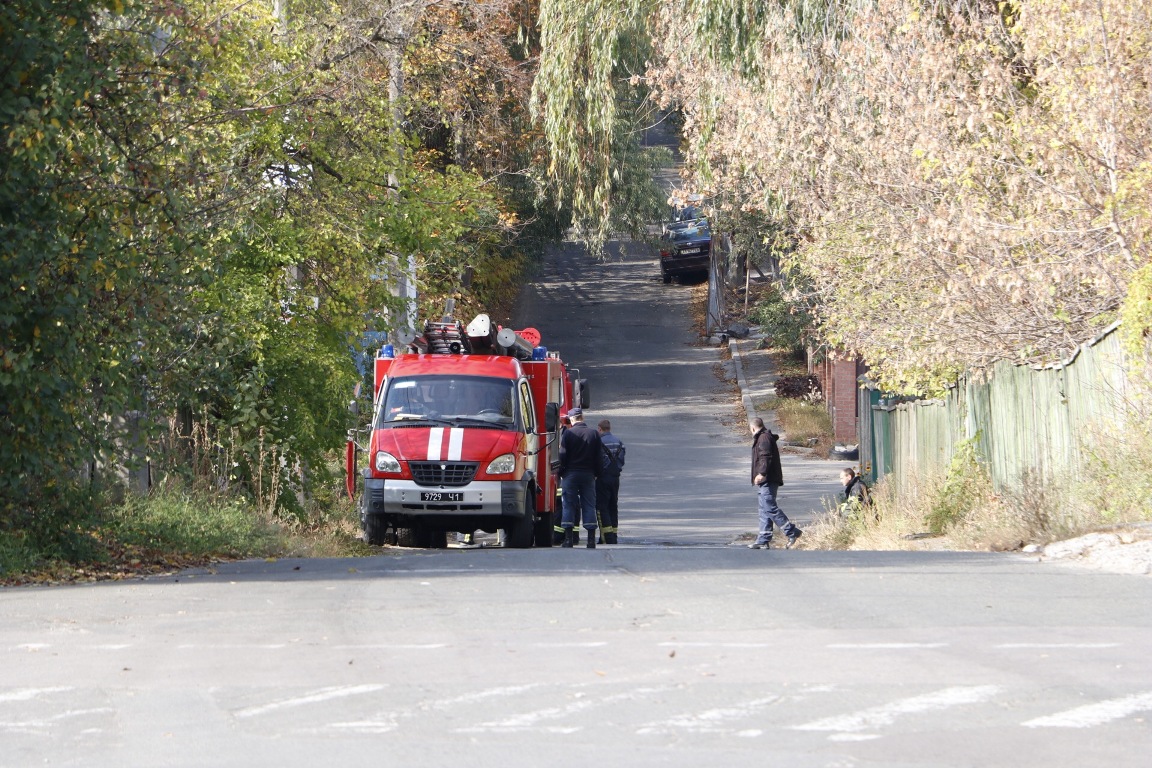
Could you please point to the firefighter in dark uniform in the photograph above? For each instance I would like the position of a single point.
(580, 450)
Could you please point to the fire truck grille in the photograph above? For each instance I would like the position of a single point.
(443, 472)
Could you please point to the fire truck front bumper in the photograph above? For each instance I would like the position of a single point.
(482, 498)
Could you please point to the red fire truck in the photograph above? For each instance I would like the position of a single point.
(463, 436)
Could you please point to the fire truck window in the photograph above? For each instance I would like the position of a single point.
(526, 407)
(446, 397)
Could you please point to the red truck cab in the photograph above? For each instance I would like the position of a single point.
(463, 437)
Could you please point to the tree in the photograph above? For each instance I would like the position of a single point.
(966, 176)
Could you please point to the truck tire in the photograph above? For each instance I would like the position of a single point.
(406, 537)
(521, 533)
(375, 530)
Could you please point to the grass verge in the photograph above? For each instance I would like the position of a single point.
(959, 509)
(174, 528)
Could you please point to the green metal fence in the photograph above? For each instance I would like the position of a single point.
(1024, 420)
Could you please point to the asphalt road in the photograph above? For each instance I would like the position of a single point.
(680, 647)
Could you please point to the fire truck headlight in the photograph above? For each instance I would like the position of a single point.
(502, 465)
(386, 462)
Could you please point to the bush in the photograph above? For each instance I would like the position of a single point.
(962, 491)
(784, 322)
(58, 524)
(193, 524)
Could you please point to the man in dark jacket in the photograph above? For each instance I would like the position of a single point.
(580, 450)
(768, 476)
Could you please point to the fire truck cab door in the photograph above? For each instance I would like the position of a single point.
(528, 418)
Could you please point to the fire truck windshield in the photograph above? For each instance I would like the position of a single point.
(473, 400)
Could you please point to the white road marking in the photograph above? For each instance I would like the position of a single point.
(1057, 645)
(324, 694)
(233, 646)
(27, 694)
(886, 714)
(1095, 714)
(390, 721)
(366, 726)
(711, 720)
(35, 726)
(716, 645)
(884, 646)
(472, 698)
(391, 647)
(599, 644)
(530, 720)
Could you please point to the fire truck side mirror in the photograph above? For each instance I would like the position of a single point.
(583, 393)
(551, 416)
(354, 407)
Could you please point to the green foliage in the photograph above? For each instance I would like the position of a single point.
(785, 322)
(962, 490)
(590, 99)
(192, 524)
(57, 524)
(1136, 314)
(199, 208)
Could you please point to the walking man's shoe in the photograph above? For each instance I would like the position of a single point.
(568, 538)
(792, 539)
(760, 545)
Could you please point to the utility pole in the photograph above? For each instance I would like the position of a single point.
(406, 263)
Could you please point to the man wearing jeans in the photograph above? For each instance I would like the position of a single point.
(768, 476)
(580, 449)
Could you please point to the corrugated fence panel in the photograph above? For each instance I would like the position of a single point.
(1024, 420)
(866, 398)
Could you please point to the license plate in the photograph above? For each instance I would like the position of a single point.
(441, 496)
(687, 251)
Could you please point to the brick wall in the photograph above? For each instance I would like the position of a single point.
(838, 383)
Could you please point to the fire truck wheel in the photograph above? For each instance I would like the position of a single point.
(521, 533)
(375, 531)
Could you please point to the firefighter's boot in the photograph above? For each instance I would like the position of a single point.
(591, 538)
(568, 538)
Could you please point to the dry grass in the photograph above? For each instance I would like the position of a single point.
(960, 510)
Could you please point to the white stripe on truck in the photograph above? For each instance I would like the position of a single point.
(435, 441)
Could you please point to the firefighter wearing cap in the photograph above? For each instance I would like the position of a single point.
(580, 449)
